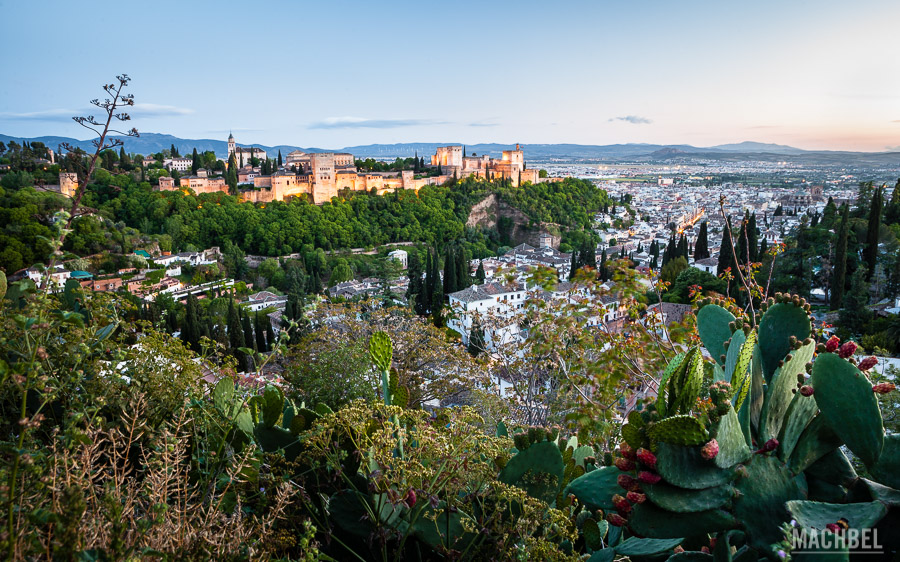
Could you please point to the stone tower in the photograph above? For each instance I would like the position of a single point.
(230, 145)
(68, 183)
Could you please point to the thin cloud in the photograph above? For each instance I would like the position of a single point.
(46, 115)
(483, 124)
(633, 119)
(157, 110)
(765, 127)
(896, 121)
(362, 123)
(63, 114)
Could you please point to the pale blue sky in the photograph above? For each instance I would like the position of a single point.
(813, 74)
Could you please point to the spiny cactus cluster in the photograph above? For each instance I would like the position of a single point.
(270, 420)
(763, 449)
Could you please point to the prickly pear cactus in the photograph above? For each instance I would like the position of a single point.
(758, 445)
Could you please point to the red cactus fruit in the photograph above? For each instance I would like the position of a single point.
(616, 520)
(710, 450)
(647, 458)
(621, 505)
(704, 549)
(806, 390)
(410, 499)
(768, 446)
(636, 497)
(832, 344)
(883, 387)
(833, 527)
(626, 451)
(624, 464)
(712, 542)
(867, 363)
(678, 549)
(649, 477)
(847, 350)
(625, 481)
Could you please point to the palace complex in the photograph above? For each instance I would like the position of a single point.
(322, 175)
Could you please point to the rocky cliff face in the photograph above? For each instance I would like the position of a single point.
(494, 213)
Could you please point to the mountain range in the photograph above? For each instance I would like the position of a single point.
(149, 143)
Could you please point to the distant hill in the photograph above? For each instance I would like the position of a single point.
(750, 146)
(150, 143)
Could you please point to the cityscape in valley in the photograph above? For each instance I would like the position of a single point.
(516, 311)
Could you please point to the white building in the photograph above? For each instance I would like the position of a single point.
(708, 265)
(265, 299)
(401, 256)
(179, 164)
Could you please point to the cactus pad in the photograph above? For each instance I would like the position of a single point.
(779, 395)
(595, 489)
(712, 325)
(679, 430)
(733, 448)
(780, 322)
(381, 351)
(543, 457)
(635, 546)
(887, 470)
(764, 488)
(816, 515)
(650, 521)
(844, 396)
(685, 467)
(682, 500)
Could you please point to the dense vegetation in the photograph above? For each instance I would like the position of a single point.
(435, 216)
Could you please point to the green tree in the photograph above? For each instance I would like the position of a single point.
(449, 272)
(476, 339)
(856, 313)
(195, 162)
(840, 260)
(480, 275)
(340, 272)
(259, 322)
(247, 327)
(463, 274)
(701, 247)
(873, 230)
(414, 291)
(671, 270)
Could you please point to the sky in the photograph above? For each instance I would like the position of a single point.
(815, 74)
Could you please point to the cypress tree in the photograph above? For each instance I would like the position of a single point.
(249, 338)
(430, 283)
(191, 331)
(416, 162)
(235, 331)
(449, 272)
(437, 298)
(574, 266)
(476, 338)
(753, 238)
(743, 249)
(763, 248)
(726, 258)
(840, 260)
(280, 161)
(416, 287)
(479, 273)
(260, 331)
(870, 252)
(270, 335)
(463, 275)
(195, 162)
(604, 273)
